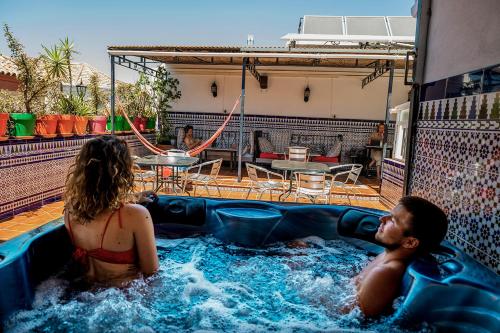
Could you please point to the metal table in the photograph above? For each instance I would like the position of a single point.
(293, 166)
(159, 161)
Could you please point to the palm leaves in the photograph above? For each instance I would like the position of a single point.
(56, 63)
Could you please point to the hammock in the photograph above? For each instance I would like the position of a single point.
(193, 152)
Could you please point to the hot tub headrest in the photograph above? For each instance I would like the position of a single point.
(187, 211)
(359, 224)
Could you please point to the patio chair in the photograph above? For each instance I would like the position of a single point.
(312, 186)
(296, 153)
(263, 185)
(199, 178)
(352, 172)
(144, 176)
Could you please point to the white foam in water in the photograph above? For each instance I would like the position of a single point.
(206, 286)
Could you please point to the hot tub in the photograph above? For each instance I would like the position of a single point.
(449, 290)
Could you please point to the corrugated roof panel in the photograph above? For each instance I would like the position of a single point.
(402, 25)
(366, 25)
(331, 25)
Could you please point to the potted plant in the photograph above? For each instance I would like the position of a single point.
(33, 87)
(97, 102)
(166, 90)
(142, 103)
(82, 114)
(66, 121)
(9, 102)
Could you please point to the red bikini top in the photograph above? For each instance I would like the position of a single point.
(114, 257)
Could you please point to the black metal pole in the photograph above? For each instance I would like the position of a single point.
(387, 118)
(112, 94)
(242, 115)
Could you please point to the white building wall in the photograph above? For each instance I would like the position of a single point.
(331, 95)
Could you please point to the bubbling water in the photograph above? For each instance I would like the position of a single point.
(205, 285)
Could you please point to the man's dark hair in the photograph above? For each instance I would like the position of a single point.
(187, 128)
(428, 224)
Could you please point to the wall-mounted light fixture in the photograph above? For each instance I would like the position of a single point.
(213, 89)
(307, 93)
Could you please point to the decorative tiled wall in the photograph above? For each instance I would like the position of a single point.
(33, 172)
(391, 189)
(355, 132)
(457, 166)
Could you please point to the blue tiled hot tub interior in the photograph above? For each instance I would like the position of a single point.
(449, 289)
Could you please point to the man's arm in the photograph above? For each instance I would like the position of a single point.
(378, 290)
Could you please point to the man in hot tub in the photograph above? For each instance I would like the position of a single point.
(414, 226)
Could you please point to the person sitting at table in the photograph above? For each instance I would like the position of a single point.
(189, 141)
(113, 238)
(376, 155)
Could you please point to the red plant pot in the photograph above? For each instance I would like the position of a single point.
(140, 123)
(98, 124)
(4, 118)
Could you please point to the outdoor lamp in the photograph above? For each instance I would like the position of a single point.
(213, 89)
(307, 93)
(81, 89)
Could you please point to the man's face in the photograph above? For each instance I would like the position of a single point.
(190, 132)
(391, 231)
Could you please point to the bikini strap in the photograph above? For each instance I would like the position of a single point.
(106, 227)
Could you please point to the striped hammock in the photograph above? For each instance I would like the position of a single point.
(193, 152)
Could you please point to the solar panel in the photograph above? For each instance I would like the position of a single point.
(366, 25)
(402, 26)
(330, 25)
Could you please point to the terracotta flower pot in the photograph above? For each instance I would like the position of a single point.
(46, 126)
(98, 124)
(140, 123)
(24, 124)
(80, 127)
(4, 118)
(65, 124)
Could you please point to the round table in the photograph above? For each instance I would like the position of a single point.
(160, 161)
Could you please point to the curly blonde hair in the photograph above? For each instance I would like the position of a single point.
(100, 178)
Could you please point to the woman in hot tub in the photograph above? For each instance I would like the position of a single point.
(114, 240)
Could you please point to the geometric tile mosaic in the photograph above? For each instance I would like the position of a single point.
(33, 172)
(391, 189)
(356, 133)
(456, 165)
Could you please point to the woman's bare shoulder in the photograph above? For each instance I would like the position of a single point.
(136, 213)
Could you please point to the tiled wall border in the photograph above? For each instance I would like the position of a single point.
(355, 132)
(456, 165)
(32, 172)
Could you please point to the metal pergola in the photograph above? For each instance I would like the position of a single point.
(147, 58)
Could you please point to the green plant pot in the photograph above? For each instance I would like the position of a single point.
(24, 124)
(126, 125)
(151, 123)
(119, 120)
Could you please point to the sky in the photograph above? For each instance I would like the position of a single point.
(95, 24)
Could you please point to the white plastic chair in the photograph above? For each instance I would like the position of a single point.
(198, 177)
(268, 184)
(352, 173)
(144, 176)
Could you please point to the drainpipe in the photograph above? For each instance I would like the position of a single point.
(242, 115)
(423, 19)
